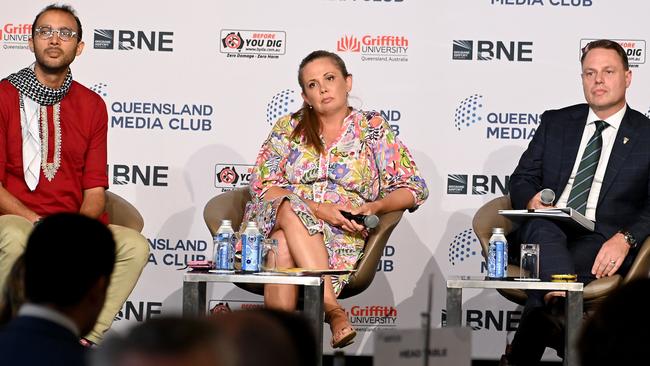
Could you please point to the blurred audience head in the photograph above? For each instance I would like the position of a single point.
(167, 341)
(617, 333)
(259, 338)
(13, 294)
(68, 262)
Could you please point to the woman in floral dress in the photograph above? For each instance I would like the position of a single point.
(321, 160)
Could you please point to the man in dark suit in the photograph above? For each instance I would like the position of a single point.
(596, 156)
(68, 262)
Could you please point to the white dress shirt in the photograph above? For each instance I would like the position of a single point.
(47, 313)
(609, 135)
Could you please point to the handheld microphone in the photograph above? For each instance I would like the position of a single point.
(369, 221)
(547, 196)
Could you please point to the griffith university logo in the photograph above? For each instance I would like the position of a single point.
(284, 102)
(464, 246)
(15, 36)
(348, 44)
(378, 47)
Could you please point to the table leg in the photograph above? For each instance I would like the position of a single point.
(194, 299)
(313, 310)
(573, 323)
(454, 306)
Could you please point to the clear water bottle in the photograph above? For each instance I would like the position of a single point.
(497, 259)
(224, 252)
(251, 242)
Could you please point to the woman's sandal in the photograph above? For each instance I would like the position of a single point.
(344, 336)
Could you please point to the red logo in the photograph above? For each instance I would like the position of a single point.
(350, 43)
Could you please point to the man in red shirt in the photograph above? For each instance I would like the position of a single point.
(53, 154)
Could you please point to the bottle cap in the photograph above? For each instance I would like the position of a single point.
(497, 230)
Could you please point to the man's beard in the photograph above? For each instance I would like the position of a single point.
(48, 68)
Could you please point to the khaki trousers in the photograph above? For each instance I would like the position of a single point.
(132, 253)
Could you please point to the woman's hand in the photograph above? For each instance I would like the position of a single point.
(331, 213)
(369, 208)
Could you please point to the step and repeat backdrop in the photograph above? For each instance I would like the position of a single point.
(193, 87)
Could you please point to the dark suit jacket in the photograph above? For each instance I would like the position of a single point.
(34, 341)
(624, 200)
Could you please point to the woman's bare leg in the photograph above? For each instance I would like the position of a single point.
(306, 251)
(281, 297)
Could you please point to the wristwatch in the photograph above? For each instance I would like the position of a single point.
(629, 238)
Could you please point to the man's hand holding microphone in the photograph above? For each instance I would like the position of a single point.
(543, 199)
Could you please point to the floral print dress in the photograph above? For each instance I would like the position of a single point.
(365, 163)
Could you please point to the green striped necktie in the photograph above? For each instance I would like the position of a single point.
(587, 170)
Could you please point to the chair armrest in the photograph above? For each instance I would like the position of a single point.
(487, 217)
(641, 265)
(229, 205)
(367, 266)
(121, 212)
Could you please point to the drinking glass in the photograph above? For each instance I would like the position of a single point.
(268, 255)
(529, 261)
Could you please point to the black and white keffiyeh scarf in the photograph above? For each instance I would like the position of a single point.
(27, 84)
(35, 131)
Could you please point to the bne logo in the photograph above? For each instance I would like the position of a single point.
(129, 40)
(515, 51)
(487, 319)
(135, 174)
(139, 311)
(480, 184)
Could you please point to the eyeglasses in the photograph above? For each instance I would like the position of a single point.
(64, 34)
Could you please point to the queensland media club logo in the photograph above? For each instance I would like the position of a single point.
(486, 50)
(282, 103)
(567, 4)
(464, 246)
(15, 36)
(230, 176)
(176, 253)
(383, 47)
(252, 43)
(509, 125)
(477, 184)
(127, 40)
(100, 88)
(635, 49)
